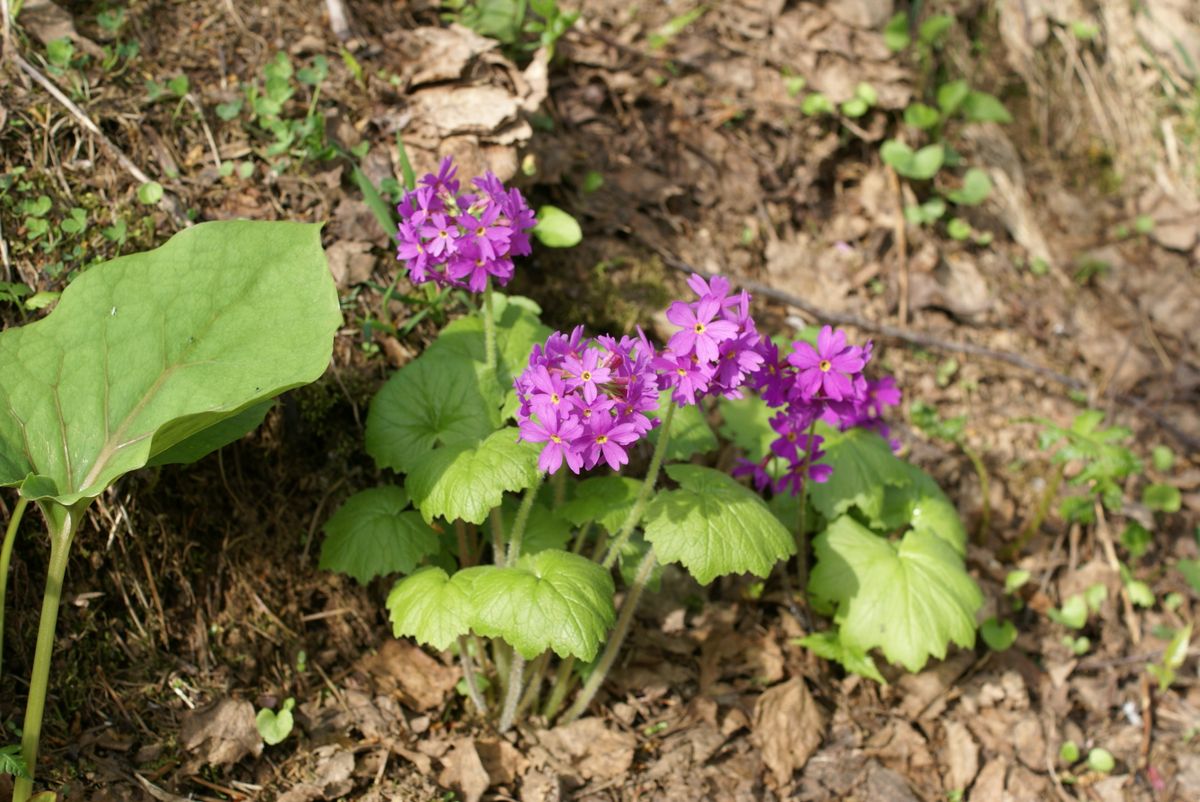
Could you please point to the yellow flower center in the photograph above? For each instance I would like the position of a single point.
(554, 399)
(586, 375)
(699, 328)
(556, 438)
(824, 365)
(602, 439)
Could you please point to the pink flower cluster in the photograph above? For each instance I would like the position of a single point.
(822, 383)
(587, 399)
(462, 240)
(716, 347)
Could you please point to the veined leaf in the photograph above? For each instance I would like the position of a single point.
(829, 646)
(910, 600)
(148, 351)
(713, 525)
(690, 432)
(747, 422)
(372, 535)
(864, 468)
(549, 600)
(466, 481)
(433, 607)
(604, 499)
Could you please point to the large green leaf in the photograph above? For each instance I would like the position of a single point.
(864, 468)
(909, 600)
(435, 400)
(432, 606)
(549, 600)
(690, 432)
(545, 528)
(747, 422)
(466, 481)
(713, 525)
(209, 440)
(373, 535)
(148, 351)
(607, 500)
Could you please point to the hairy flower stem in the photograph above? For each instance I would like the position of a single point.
(533, 690)
(615, 641)
(489, 328)
(497, 522)
(512, 694)
(1014, 548)
(62, 523)
(468, 665)
(639, 506)
(465, 558)
(562, 684)
(581, 538)
(802, 528)
(518, 532)
(985, 514)
(10, 535)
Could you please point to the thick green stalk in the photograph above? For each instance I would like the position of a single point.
(497, 523)
(562, 684)
(469, 675)
(10, 535)
(512, 694)
(639, 505)
(62, 523)
(489, 328)
(615, 641)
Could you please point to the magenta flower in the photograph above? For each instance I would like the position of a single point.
(607, 439)
(559, 437)
(586, 373)
(827, 369)
(700, 333)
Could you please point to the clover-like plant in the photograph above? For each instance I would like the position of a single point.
(488, 549)
(150, 359)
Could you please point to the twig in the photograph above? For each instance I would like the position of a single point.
(923, 340)
(339, 22)
(208, 134)
(170, 203)
(1110, 554)
(901, 245)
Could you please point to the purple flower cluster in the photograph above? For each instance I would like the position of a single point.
(716, 347)
(462, 240)
(587, 399)
(823, 383)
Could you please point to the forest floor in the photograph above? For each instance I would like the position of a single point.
(679, 142)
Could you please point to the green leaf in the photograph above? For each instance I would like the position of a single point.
(975, 188)
(829, 645)
(1101, 760)
(909, 600)
(208, 440)
(1177, 649)
(920, 116)
(863, 469)
(866, 93)
(1068, 752)
(1191, 573)
(607, 500)
(433, 607)
(276, 727)
(1140, 593)
(437, 400)
(371, 535)
(146, 351)
(1162, 498)
(557, 229)
(690, 432)
(12, 762)
(1163, 458)
(1015, 580)
(545, 529)
(958, 229)
(1136, 539)
(150, 193)
(550, 600)
(466, 481)
(926, 162)
(934, 29)
(950, 96)
(897, 155)
(855, 107)
(815, 104)
(1095, 595)
(713, 525)
(746, 422)
(895, 33)
(998, 635)
(980, 107)
(1073, 613)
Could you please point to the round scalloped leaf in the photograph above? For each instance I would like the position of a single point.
(864, 471)
(551, 600)
(465, 482)
(746, 422)
(372, 535)
(712, 525)
(910, 600)
(606, 500)
(518, 329)
(545, 529)
(435, 400)
(433, 607)
(148, 351)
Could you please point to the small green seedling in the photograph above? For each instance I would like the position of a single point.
(276, 727)
(557, 229)
(1069, 752)
(998, 635)
(1101, 760)
(1172, 659)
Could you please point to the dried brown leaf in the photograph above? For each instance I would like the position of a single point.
(788, 726)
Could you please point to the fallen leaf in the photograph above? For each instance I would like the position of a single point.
(446, 52)
(463, 771)
(962, 757)
(501, 760)
(591, 748)
(221, 734)
(422, 681)
(350, 262)
(788, 727)
(990, 782)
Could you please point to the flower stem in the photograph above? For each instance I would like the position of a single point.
(62, 523)
(489, 328)
(639, 506)
(10, 535)
(562, 684)
(497, 523)
(512, 694)
(469, 675)
(518, 531)
(465, 558)
(581, 537)
(534, 686)
(615, 641)
(802, 527)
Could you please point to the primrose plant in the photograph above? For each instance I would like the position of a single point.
(151, 359)
(496, 423)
